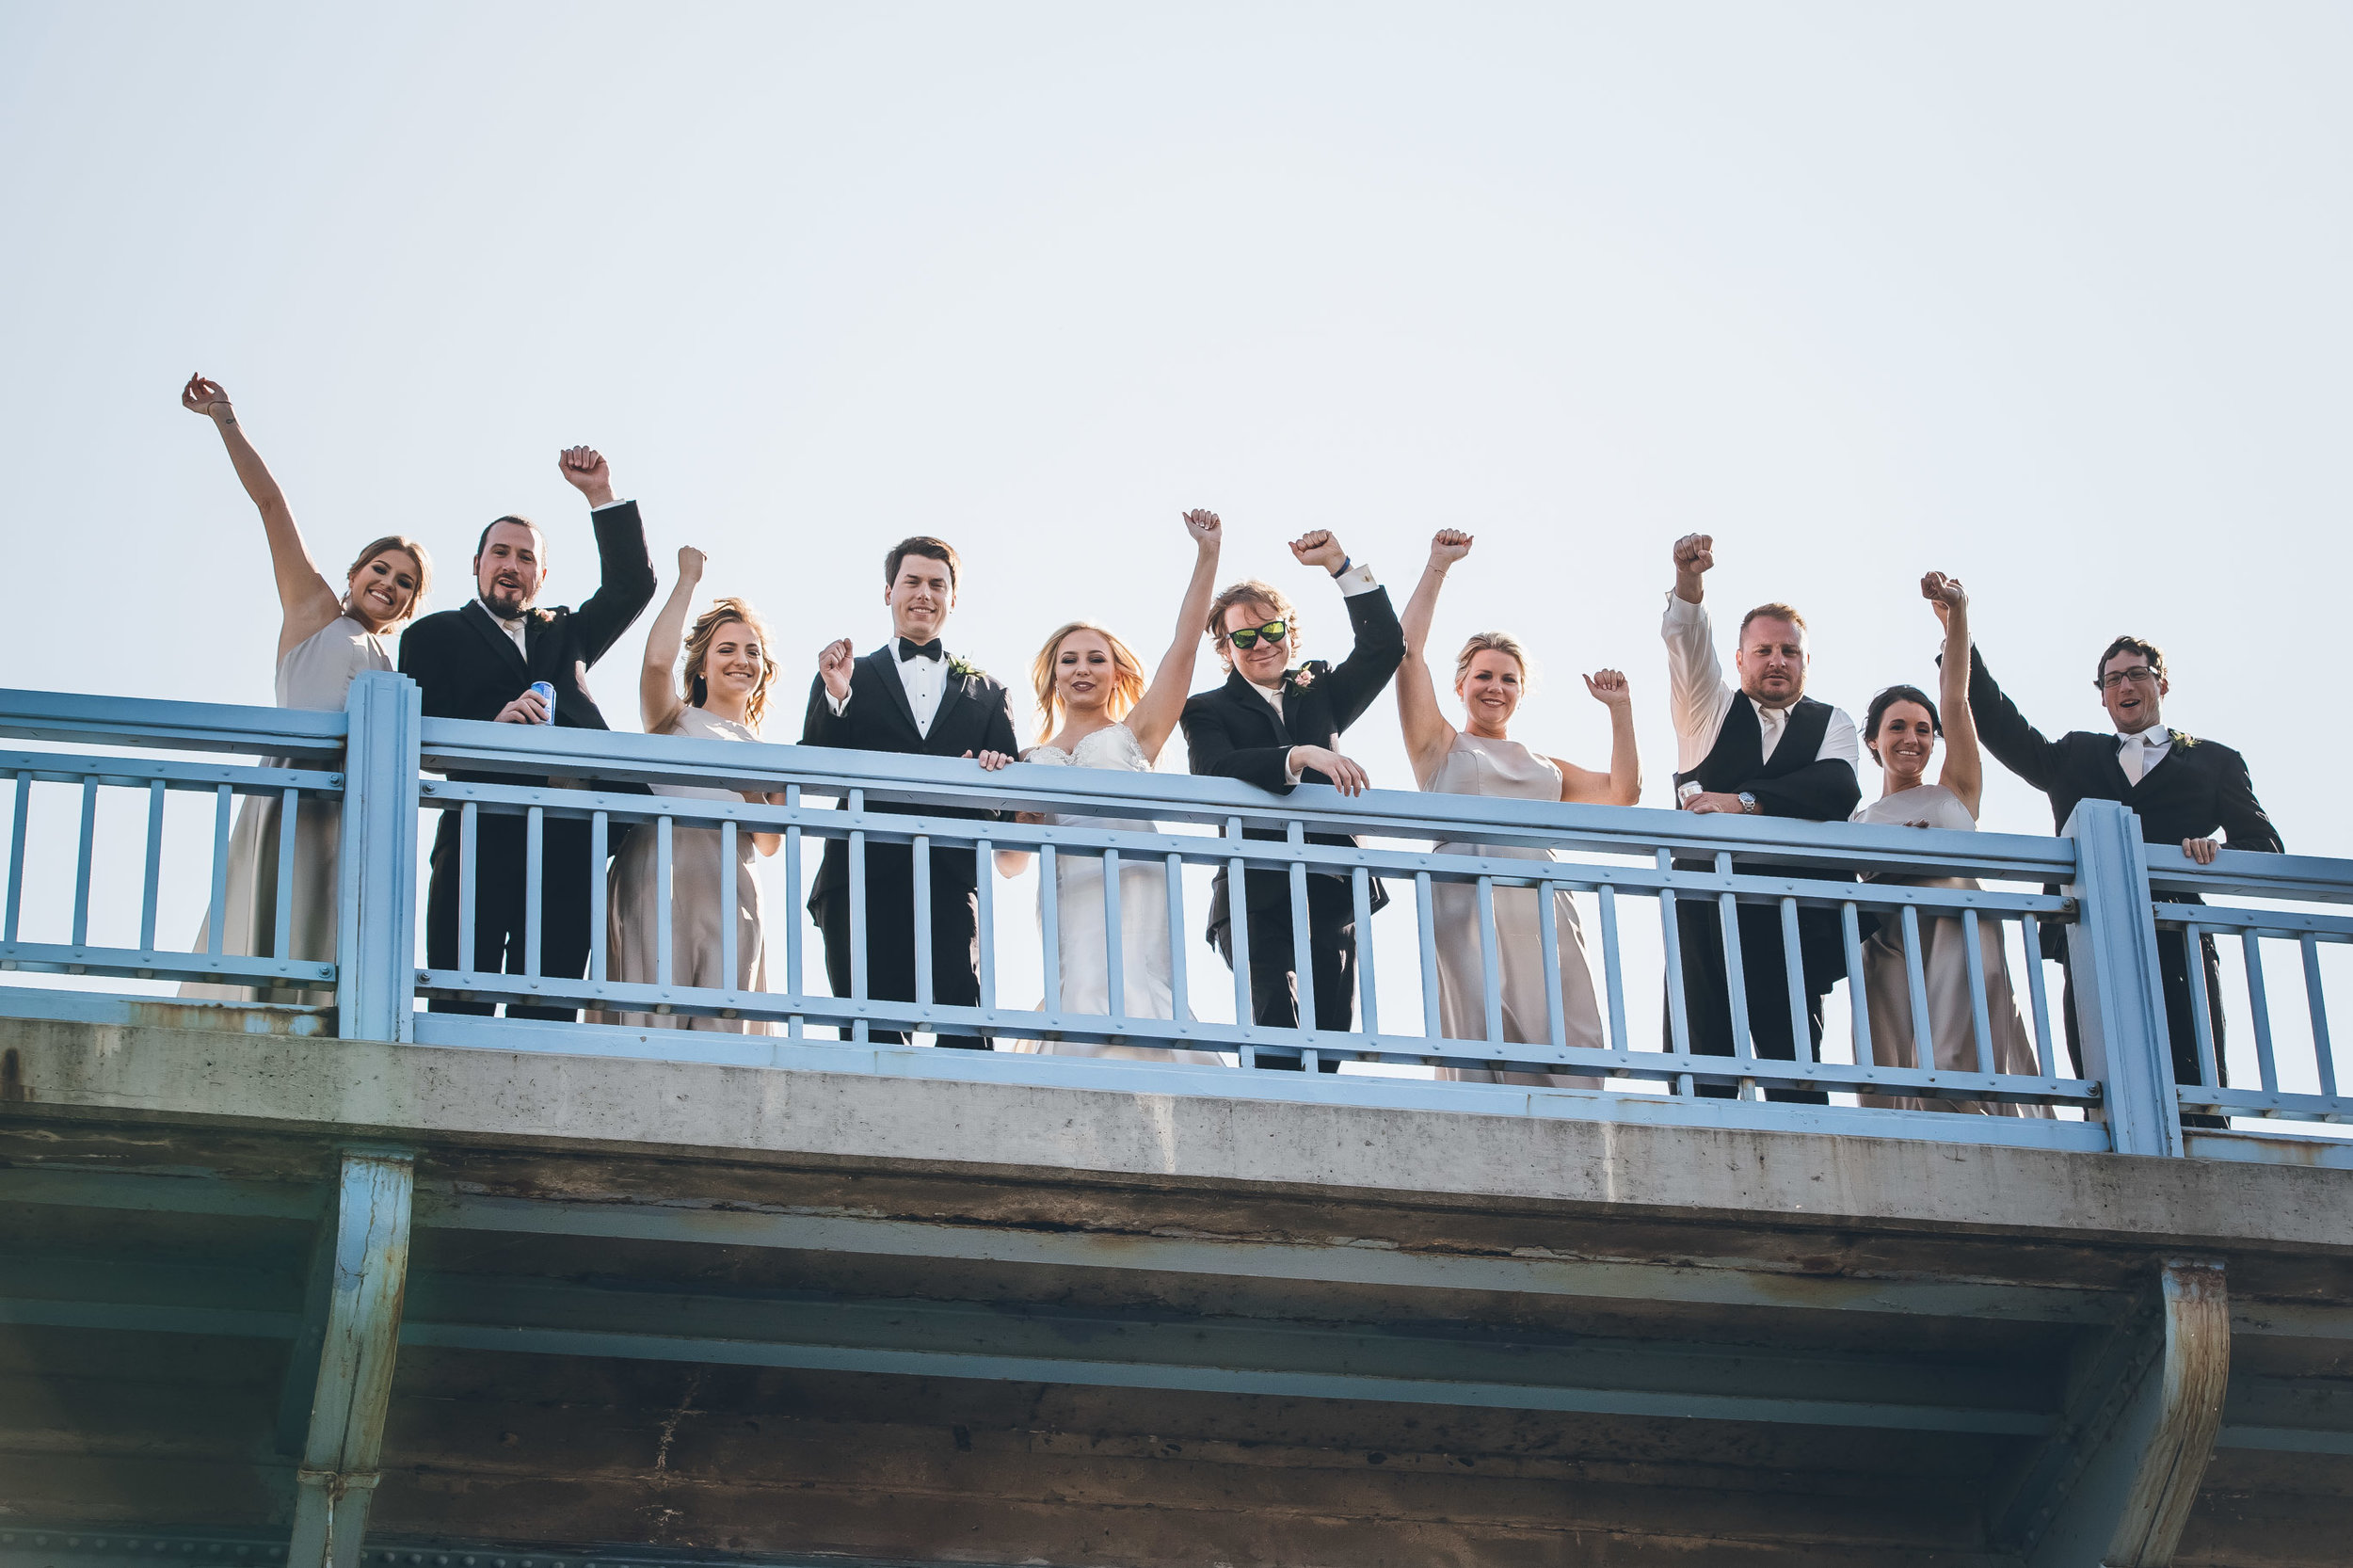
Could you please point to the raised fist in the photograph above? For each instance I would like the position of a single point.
(1609, 686)
(1448, 546)
(200, 396)
(833, 666)
(690, 564)
(1943, 592)
(1206, 531)
(1695, 554)
(1317, 547)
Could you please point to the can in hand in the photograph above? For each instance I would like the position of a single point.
(547, 695)
(1684, 792)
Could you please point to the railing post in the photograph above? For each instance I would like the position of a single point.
(2112, 970)
(376, 927)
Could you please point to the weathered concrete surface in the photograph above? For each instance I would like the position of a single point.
(1047, 1135)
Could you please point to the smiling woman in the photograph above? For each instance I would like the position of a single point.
(324, 640)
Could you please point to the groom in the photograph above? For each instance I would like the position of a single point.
(1275, 727)
(909, 695)
(479, 663)
(2183, 789)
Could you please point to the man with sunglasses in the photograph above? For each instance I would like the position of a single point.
(1275, 726)
(2183, 789)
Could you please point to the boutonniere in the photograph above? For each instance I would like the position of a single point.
(1303, 677)
(2183, 741)
(959, 665)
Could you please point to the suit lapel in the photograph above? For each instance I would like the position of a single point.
(884, 660)
(485, 624)
(1239, 686)
(951, 693)
(2173, 749)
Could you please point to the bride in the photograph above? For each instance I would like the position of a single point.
(1099, 713)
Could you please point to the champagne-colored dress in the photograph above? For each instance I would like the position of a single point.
(316, 672)
(699, 891)
(1084, 933)
(1945, 967)
(1475, 765)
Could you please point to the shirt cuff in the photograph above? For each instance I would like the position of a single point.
(1357, 579)
(1291, 769)
(610, 505)
(838, 703)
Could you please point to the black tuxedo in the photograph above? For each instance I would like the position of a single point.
(467, 667)
(1794, 782)
(973, 715)
(2198, 789)
(1234, 733)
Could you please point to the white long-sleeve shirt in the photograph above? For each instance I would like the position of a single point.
(1699, 696)
(925, 679)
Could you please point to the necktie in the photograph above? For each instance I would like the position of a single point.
(2136, 756)
(917, 651)
(1768, 722)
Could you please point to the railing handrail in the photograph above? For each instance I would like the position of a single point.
(901, 778)
(2250, 873)
(81, 718)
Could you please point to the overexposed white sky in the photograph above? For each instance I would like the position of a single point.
(2054, 298)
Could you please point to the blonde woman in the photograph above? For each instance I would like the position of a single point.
(325, 639)
(722, 694)
(1481, 758)
(1096, 712)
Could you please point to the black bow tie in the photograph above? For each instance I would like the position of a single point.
(917, 651)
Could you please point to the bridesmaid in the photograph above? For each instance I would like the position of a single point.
(323, 639)
(1096, 712)
(721, 695)
(1899, 729)
(1480, 758)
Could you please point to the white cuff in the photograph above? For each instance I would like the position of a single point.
(838, 703)
(609, 505)
(1357, 579)
(1291, 769)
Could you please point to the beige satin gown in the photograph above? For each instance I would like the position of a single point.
(1476, 766)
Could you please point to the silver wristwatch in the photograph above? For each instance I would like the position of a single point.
(1747, 803)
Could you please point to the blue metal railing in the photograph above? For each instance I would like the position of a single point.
(391, 761)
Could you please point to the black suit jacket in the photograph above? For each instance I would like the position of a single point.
(1233, 732)
(973, 715)
(467, 667)
(2198, 789)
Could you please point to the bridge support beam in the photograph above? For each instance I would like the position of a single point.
(337, 1477)
(2113, 1484)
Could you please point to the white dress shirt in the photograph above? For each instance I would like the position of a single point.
(1699, 696)
(923, 678)
(2142, 750)
(1357, 579)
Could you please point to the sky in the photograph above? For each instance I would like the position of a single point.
(2049, 296)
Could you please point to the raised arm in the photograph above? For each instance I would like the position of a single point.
(1376, 641)
(626, 581)
(1964, 765)
(658, 699)
(1154, 715)
(1623, 784)
(1428, 736)
(2003, 730)
(1697, 692)
(306, 600)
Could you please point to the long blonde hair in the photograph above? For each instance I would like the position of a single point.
(1126, 677)
(692, 684)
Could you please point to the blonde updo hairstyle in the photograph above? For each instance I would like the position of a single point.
(1490, 642)
(408, 547)
(723, 612)
(1126, 677)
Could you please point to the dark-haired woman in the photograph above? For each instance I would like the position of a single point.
(324, 640)
(721, 694)
(1901, 729)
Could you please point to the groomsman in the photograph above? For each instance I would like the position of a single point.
(1275, 726)
(909, 695)
(1761, 748)
(479, 663)
(2183, 789)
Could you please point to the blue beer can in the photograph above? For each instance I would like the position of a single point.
(547, 695)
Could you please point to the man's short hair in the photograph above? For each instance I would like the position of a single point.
(2142, 646)
(1775, 611)
(929, 549)
(484, 543)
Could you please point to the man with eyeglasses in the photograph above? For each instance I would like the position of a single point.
(2183, 789)
(1275, 726)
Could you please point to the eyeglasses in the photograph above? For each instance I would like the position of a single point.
(2139, 675)
(1247, 638)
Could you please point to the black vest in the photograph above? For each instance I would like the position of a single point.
(1738, 758)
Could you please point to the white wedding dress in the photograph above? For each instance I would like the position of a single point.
(1084, 944)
